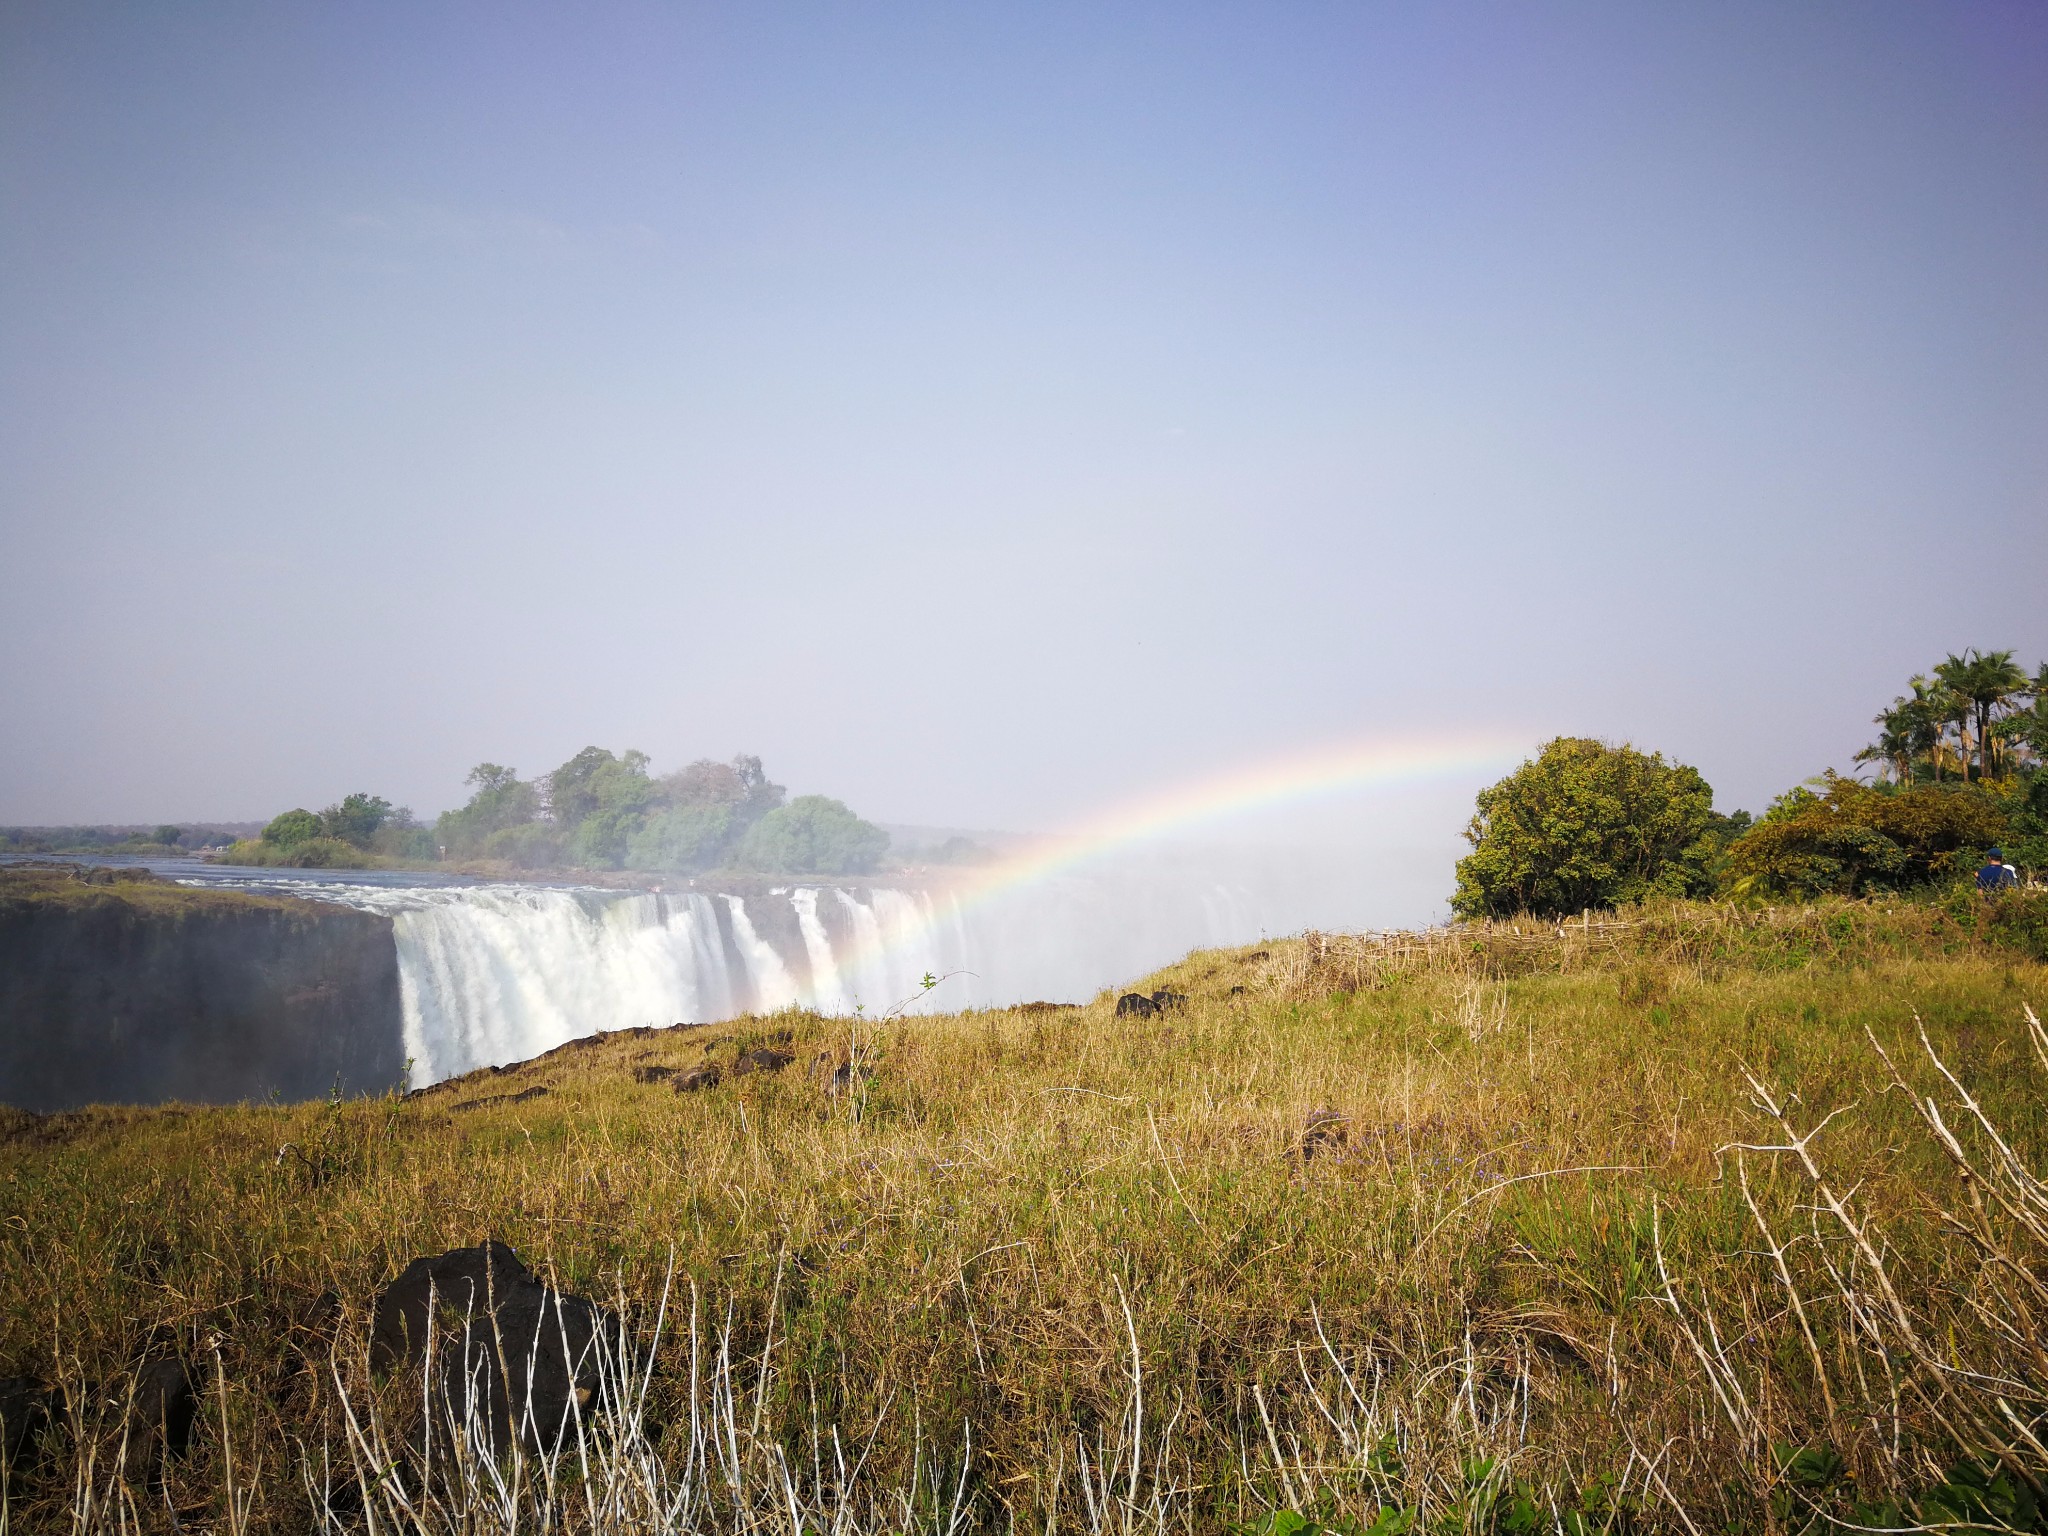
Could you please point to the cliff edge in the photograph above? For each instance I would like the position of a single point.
(133, 990)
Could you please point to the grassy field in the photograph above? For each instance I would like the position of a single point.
(1672, 1221)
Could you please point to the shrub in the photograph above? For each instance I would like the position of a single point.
(292, 828)
(1589, 825)
(1852, 839)
(530, 845)
(311, 853)
(324, 853)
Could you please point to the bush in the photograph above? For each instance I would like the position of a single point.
(292, 828)
(531, 845)
(812, 836)
(311, 853)
(1588, 825)
(1852, 839)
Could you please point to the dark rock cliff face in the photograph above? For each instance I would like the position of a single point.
(136, 992)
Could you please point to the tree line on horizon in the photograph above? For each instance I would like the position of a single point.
(601, 811)
(1961, 765)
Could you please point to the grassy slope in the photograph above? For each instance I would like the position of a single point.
(961, 1250)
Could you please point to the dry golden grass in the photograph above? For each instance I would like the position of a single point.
(1080, 1266)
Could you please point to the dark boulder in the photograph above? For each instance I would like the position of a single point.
(465, 1282)
(27, 1408)
(1167, 1002)
(652, 1074)
(1135, 1005)
(535, 1369)
(516, 1357)
(762, 1059)
(707, 1076)
(158, 1409)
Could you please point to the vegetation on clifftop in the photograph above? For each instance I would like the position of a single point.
(1963, 767)
(1506, 1228)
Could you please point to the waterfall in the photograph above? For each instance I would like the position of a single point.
(770, 986)
(492, 974)
(825, 994)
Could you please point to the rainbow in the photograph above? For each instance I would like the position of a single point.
(1325, 770)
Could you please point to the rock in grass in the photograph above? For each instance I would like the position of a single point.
(654, 1074)
(1166, 1001)
(1135, 1005)
(465, 1282)
(158, 1409)
(707, 1076)
(27, 1407)
(1325, 1132)
(762, 1059)
(535, 1369)
(516, 1356)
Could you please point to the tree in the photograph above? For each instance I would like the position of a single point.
(812, 836)
(1588, 825)
(292, 828)
(683, 838)
(699, 814)
(355, 821)
(1986, 684)
(1909, 731)
(2027, 729)
(500, 801)
(1851, 839)
(167, 835)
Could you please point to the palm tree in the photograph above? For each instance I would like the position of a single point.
(1986, 683)
(1895, 739)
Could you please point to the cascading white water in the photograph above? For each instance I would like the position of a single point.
(770, 986)
(826, 996)
(493, 974)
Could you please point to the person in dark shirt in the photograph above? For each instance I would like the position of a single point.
(1996, 875)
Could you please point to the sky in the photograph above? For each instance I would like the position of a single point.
(988, 414)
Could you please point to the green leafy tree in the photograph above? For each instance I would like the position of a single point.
(597, 802)
(1588, 825)
(500, 800)
(813, 836)
(591, 781)
(683, 838)
(1851, 839)
(699, 814)
(167, 835)
(356, 820)
(292, 828)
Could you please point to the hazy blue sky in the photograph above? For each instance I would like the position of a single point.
(982, 412)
